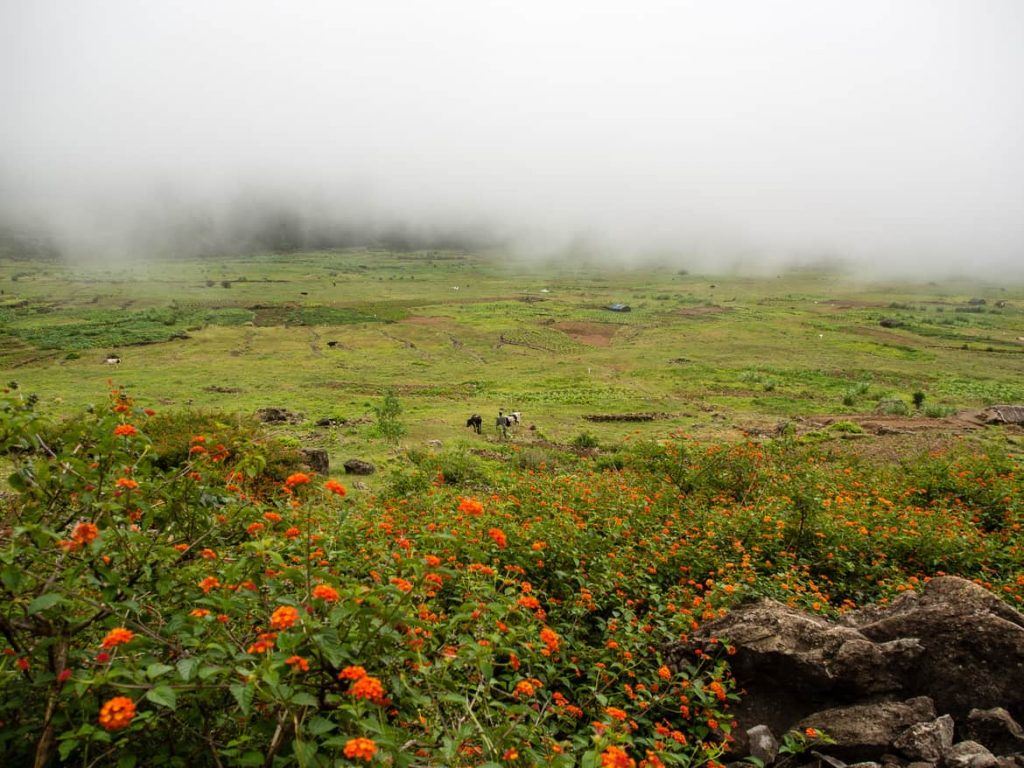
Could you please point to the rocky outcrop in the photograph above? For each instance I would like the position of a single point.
(996, 729)
(867, 731)
(972, 645)
(935, 678)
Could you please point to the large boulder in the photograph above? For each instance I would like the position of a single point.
(954, 643)
(790, 664)
(996, 729)
(973, 645)
(867, 731)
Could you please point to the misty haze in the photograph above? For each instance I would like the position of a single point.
(484, 384)
(748, 133)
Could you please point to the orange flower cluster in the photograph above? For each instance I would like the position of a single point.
(360, 749)
(117, 713)
(471, 506)
(117, 636)
(264, 643)
(125, 430)
(550, 639)
(284, 617)
(84, 533)
(352, 673)
(297, 663)
(127, 483)
(498, 537)
(335, 487)
(616, 757)
(296, 478)
(402, 584)
(326, 593)
(369, 689)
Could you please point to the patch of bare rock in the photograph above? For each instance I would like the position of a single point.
(932, 680)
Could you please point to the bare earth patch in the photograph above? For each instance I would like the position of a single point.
(427, 321)
(592, 334)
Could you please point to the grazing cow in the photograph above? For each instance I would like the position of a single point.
(475, 421)
(516, 418)
(112, 360)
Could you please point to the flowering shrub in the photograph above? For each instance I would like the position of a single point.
(197, 614)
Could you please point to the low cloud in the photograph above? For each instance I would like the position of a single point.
(734, 134)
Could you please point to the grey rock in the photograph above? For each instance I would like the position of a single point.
(791, 664)
(317, 460)
(969, 754)
(278, 416)
(762, 744)
(973, 644)
(868, 764)
(996, 729)
(926, 742)
(359, 467)
(866, 731)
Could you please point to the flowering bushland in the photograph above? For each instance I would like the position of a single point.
(196, 614)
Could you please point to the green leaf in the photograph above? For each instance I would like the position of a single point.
(317, 726)
(154, 671)
(43, 602)
(163, 695)
(11, 578)
(243, 695)
(67, 746)
(304, 699)
(187, 668)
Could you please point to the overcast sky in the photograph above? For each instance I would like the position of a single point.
(887, 132)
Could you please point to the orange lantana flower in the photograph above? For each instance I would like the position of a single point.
(284, 617)
(360, 749)
(117, 636)
(117, 713)
(326, 593)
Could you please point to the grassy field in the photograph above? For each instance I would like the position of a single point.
(326, 333)
(180, 590)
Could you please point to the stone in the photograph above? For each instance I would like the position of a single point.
(278, 416)
(969, 754)
(791, 664)
(762, 744)
(317, 460)
(866, 731)
(996, 729)
(359, 467)
(926, 742)
(973, 645)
